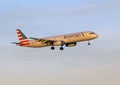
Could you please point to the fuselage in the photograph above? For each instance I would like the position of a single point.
(67, 38)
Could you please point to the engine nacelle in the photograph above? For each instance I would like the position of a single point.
(71, 44)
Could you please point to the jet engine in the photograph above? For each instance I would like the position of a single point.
(71, 44)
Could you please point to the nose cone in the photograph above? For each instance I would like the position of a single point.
(95, 36)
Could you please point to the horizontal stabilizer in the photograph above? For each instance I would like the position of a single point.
(15, 43)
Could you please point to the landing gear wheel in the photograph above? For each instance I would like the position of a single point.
(88, 43)
(61, 48)
(52, 48)
(62, 44)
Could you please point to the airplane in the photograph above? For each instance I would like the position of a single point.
(68, 40)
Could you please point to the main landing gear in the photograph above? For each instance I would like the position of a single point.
(61, 48)
(89, 43)
(52, 48)
(62, 44)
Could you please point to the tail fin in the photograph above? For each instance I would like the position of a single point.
(22, 38)
(21, 35)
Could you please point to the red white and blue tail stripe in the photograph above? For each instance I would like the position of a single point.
(24, 41)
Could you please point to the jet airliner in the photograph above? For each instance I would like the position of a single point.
(68, 40)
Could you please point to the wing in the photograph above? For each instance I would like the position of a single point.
(45, 41)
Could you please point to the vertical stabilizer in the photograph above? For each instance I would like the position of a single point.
(22, 38)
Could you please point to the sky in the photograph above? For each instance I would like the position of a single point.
(98, 64)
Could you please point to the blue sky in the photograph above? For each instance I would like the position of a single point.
(87, 65)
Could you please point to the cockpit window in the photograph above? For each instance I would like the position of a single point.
(92, 33)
